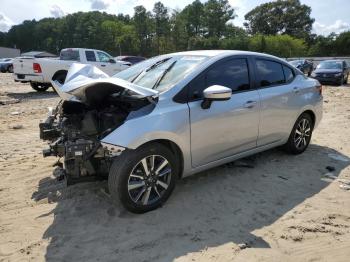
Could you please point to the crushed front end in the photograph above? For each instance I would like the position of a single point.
(74, 132)
(93, 105)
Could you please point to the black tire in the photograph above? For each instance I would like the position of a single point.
(129, 163)
(345, 80)
(10, 69)
(60, 77)
(39, 86)
(341, 81)
(292, 145)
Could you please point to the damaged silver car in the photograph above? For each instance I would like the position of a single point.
(175, 115)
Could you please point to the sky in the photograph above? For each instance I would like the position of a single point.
(330, 15)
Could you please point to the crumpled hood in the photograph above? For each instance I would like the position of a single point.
(83, 79)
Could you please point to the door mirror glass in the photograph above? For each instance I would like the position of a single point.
(112, 61)
(215, 93)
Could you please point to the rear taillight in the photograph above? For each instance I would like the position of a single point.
(36, 68)
(319, 89)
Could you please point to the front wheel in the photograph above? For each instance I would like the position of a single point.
(300, 136)
(39, 86)
(143, 179)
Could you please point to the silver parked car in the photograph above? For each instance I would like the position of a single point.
(175, 115)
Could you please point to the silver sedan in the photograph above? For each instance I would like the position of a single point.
(178, 114)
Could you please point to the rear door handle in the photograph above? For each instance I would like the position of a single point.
(103, 65)
(250, 104)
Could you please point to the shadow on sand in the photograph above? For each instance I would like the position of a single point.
(222, 205)
(33, 95)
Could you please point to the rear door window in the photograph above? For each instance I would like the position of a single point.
(70, 55)
(270, 73)
(90, 56)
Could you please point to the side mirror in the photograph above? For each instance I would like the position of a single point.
(112, 61)
(215, 93)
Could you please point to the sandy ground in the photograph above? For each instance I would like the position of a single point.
(282, 208)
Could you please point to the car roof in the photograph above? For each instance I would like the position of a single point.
(222, 53)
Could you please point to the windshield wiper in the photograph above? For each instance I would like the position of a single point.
(164, 73)
(150, 68)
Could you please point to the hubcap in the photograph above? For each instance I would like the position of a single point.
(302, 134)
(149, 179)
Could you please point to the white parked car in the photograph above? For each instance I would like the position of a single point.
(39, 72)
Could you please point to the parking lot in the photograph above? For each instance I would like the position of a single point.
(291, 208)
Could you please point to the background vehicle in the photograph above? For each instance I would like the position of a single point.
(303, 65)
(131, 59)
(40, 71)
(176, 115)
(6, 65)
(332, 71)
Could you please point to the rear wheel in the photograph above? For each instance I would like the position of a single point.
(300, 136)
(39, 86)
(10, 69)
(60, 77)
(143, 179)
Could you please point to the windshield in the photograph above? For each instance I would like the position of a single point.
(161, 73)
(330, 65)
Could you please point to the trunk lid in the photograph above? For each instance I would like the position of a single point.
(23, 65)
(84, 82)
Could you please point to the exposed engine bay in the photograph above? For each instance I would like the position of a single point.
(74, 129)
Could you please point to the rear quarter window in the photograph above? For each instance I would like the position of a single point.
(270, 73)
(70, 55)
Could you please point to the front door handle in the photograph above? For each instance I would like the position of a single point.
(103, 65)
(296, 89)
(250, 104)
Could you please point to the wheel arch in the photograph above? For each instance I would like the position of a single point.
(175, 149)
(59, 72)
(311, 114)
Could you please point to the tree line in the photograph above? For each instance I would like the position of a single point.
(281, 28)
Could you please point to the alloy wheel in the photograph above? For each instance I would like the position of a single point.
(302, 134)
(149, 179)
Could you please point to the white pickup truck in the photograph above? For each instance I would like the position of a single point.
(40, 71)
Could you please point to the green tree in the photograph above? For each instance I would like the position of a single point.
(216, 14)
(288, 17)
(342, 44)
(279, 45)
(162, 28)
(143, 26)
(178, 32)
(192, 15)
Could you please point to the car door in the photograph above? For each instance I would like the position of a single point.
(107, 64)
(227, 127)
(280, 103)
